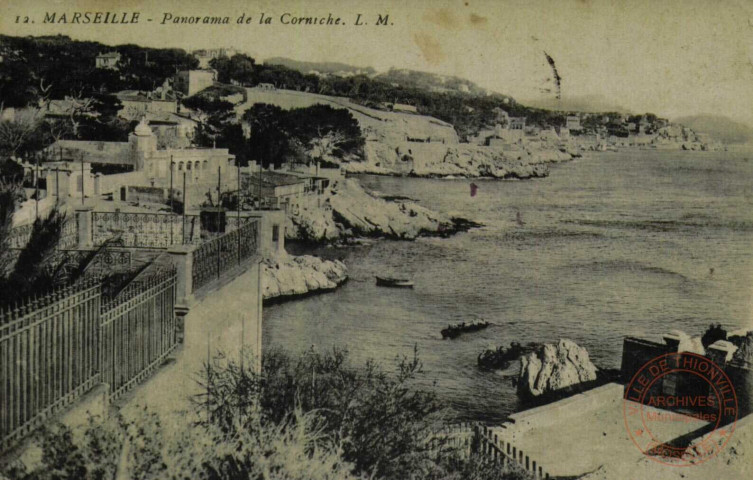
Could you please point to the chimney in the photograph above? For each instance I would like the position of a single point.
(672, 340)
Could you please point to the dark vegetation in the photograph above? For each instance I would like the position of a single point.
(56, 67)
(277, 136)
(69, 66)
(313, 416)
(469, 109)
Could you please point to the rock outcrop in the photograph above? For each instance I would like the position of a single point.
(292, 276)
(463, 160)
(347, 211)
(554, 367)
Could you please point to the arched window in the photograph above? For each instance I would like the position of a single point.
(180, 165)
(197, 166)
(188, 165)
(205, 165)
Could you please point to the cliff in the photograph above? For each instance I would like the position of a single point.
(347, 210)
(554, 367)
(292, 276)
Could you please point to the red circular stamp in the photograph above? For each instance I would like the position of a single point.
(680, 409)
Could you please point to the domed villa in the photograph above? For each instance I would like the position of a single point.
(149, 165)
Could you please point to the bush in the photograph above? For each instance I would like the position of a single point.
(310, 417)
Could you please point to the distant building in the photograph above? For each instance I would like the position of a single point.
(572, 122)
(282, 190)
(136, 104)
(151, 166)
(517, 123)
(205, 56)
(501, 116)
(643, 125)
(190, 82)
(107, 60)
(266, 86)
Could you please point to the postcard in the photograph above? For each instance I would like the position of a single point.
(333, 239)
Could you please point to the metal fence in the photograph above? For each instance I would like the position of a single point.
(137, 331)
(476, 439)
(48, 356)
(55, 348)
(19, 236)
(212, 258)
(145, 230)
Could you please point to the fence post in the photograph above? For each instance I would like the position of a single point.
(181, 257)
(84, 226)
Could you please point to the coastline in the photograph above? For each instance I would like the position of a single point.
(348, 211)
(286, 277)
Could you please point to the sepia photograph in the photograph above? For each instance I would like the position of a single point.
(384, 240)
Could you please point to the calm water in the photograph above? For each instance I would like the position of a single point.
(612, 245)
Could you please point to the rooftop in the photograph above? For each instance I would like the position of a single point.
(278, 179)
(579, 434)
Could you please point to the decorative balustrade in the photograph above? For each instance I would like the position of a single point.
(145, 230)
(212, 258)
(100, 262)
(19, 236)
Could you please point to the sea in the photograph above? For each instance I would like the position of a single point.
(608, 245)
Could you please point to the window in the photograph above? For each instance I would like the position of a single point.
(275, 233)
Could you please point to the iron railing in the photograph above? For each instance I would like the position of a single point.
(212, 258)
(49, 356)
(145, 230)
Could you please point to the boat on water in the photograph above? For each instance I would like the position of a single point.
(454, 331)
(501, 357)
(394, 282)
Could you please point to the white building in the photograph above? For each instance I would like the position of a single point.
(107, 60)
(190, 82)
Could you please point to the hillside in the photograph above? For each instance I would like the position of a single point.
(57, 66)
(432, 82)
(720, 128)
(328, 68)
(582, 103)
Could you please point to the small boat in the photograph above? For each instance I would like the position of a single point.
(501, 358)
(394, 282)
(454, 331)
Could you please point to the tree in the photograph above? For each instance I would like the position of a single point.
(17, 135)
(239, 67)
(323, 147)
(269, 139)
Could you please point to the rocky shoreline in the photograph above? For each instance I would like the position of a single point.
(460, 160)
(347, 211)
(285, 277)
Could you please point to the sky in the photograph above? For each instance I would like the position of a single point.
(669, 57)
